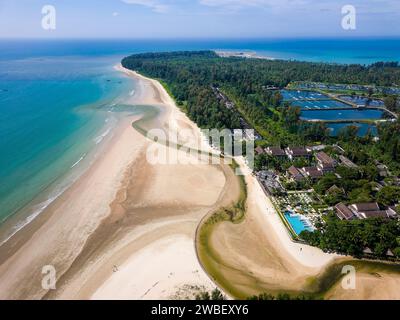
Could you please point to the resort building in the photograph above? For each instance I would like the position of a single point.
(343, 212)
(368, 210)
(368, 251)
(259, 150)
(325, 162)
(347, 163)
(295, 174)
(297, 152)
(335, 190)
(383, 170)
(312, 172)
(316, 148)
(275, 152)
(270, 183)
(363, 211)
(391, 211)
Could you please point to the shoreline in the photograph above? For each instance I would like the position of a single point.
(31, 211)
(101, 129)
(50, 224)
(63, 235)
(127, 229)
(132, 243)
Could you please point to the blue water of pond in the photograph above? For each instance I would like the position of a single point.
(289, 95)
(364, 101)
(363, 128)
(350, 114)
(320, 104)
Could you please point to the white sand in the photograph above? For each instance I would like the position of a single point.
(156, 272)
(305, 255)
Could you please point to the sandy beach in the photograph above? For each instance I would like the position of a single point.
(123, 217)
(126, 229)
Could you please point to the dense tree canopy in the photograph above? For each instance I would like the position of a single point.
(352, 237)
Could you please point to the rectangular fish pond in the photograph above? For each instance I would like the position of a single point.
(338, 115)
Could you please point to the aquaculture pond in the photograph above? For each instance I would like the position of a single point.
(363, 101)
(320, 104)
(316, 106)
(363, 128)
(289, 95)
(338, 115)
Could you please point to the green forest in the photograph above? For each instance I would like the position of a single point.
(191, 76)
(352, 237)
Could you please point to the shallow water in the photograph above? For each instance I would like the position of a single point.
(53, 111)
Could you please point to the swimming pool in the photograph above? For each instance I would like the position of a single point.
(297, 223)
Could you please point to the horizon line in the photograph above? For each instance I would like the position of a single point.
(360, 37)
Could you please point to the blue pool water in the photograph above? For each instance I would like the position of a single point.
(297, 224)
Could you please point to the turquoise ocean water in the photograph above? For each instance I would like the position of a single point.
(56, 98)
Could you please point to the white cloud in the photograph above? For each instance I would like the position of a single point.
(154, 5)
(115, 14)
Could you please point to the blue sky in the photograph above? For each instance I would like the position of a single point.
(198, 18)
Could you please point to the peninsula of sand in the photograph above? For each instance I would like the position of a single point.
(127, 228)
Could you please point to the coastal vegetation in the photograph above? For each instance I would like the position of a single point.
(215, 295)
(192, 76)
(198, 79)
(352, 237)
